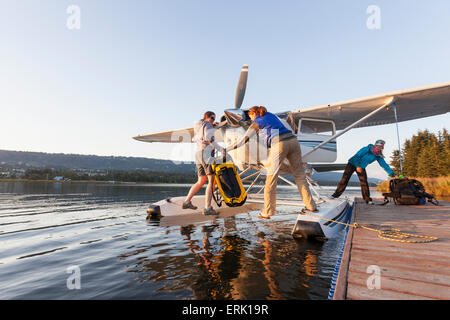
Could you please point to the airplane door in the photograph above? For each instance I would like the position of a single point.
(312, 132)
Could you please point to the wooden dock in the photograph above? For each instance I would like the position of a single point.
(406, 270)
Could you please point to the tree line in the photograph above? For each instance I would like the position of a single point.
(424, 155)
(26, 160)
(116, 175)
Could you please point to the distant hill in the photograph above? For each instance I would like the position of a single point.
(27, 160)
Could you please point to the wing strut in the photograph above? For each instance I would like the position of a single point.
(398, 139)
(391, 100)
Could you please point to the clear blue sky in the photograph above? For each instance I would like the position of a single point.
(137, 67)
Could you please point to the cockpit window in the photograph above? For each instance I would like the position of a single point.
(316, 127)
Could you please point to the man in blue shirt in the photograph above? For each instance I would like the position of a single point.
(358, 163)
(283, 144)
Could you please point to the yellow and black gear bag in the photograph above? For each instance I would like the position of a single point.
(229, 184)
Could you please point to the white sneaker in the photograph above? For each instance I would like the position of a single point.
(371, 203)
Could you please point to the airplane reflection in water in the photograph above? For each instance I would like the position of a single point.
(226, 261)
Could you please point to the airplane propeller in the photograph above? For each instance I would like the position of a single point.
(233, 116)
(242, 85)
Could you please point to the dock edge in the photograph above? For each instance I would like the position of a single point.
(338, 287)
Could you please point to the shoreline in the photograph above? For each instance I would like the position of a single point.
(379, 188)
(70, 181)
(136, 182)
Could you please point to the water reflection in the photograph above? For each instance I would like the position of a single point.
(269, 272)
(223, 262)
(103, 229)
(217, 266)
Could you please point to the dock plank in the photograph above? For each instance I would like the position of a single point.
(412, 264)
(401, 272)
(357, 292)
(399, 285)
(407, 270)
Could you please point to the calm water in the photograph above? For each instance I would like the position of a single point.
(47, 229)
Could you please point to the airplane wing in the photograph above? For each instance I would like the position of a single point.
(185, 135)
(411, 104)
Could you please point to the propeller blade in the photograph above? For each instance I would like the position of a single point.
(222, 124)
(242, 84)
(233, 119)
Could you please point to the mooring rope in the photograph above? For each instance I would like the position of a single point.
(391, 234)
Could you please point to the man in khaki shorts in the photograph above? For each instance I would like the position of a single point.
(204, 135)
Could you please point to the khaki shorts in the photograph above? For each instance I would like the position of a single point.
(204, 169)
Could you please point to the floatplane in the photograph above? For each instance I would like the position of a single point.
(317, 129)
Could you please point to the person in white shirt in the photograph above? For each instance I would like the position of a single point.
(204, 136)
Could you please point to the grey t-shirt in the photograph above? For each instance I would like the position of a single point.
(204, 131)
(204, 135)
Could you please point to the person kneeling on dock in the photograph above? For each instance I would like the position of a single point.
(204, 135)
(358, 163)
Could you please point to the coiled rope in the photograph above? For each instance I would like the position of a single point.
(391, 234)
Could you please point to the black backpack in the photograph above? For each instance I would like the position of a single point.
(408, 192)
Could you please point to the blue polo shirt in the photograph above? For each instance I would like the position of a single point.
(270, 126)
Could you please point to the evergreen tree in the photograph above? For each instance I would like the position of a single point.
(425, 155)
(426, 164)
(445, 155)
(395, 161)
(409, 168)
